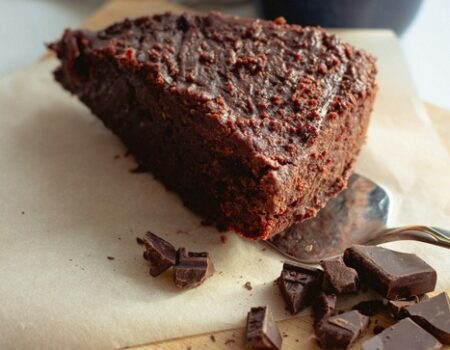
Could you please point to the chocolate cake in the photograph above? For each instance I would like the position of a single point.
(255, 124)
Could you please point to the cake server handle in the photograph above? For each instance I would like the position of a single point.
(427, 234)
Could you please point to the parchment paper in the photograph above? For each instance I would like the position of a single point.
(66, 204)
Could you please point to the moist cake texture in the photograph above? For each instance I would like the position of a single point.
(255, 124)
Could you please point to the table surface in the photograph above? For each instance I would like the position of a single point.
(426, 43)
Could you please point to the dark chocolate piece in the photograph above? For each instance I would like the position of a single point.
(299, 285)
(191, 269)
(324, 307)
(338, 277)
(394, 275)
(255, 124)
(262, 332)
(341, 331)
(397, 307)
(433, 315)
(369, 307)
(159, 252)
(404, 335)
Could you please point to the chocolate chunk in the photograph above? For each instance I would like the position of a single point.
(191, 269)
(341, 331)
(397, 307)
(433, 315)
(159, 252)
(369, 307)
(393, 274)
(338, 277)
(324, 307)
(262, 331)
(299, 286)
(404, 335)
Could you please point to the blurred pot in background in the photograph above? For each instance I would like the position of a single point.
(393, 14)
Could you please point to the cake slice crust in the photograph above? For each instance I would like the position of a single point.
(256, 124)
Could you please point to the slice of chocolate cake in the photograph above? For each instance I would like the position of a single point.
(256, 124)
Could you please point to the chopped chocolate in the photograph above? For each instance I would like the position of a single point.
(299, 286)
(324, 307)
(404, 335)
(369, 307)
(338, 277)
(110, 257)
(140, 241)
(262, 331)
(397, 307)
(393, 274)
(191, 269)
(223, 239)
(213, 338)
(341, 331)
(159, 252)
(433, 315)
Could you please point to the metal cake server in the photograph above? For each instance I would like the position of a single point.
(357, 215)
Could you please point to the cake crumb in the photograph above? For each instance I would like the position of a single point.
(117, 156)
(378, 329)
(139, 240)
(213, 338)
(280, 20)
(223, 239)
(248, 285)
(229, 341)
(205, 222)
(138, 169)
(110, 257)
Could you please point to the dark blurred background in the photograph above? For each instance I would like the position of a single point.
(393, 14)
(423, 27)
